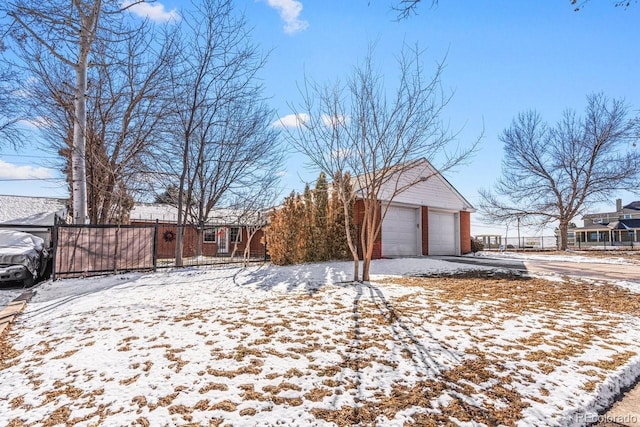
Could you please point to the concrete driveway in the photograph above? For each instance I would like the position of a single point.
(593, 270)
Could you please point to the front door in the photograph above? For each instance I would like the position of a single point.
(223, 239)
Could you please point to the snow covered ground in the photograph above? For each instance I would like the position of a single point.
(8, 293)
(581, 257)
(302, 345)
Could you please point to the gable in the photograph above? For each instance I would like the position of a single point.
(23, 207)
(633, 206)
(435, 191)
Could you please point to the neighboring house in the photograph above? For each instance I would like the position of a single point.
(29, 210)
(224, 232)
(34, 215)
(619, 228)
(429, 218)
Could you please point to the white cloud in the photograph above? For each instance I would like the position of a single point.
(335, 120)
(11, 171)
(281, 174)
(153, 11)
(289, 11)
(291, 121)
(36, 123)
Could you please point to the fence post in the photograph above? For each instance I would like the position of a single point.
(116, 248)
(155, 246)
(265, 247)
(54, 236)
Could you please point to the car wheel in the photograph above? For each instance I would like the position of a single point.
(28, 282)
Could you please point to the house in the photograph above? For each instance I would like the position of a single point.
(34, 215)
(225, 232)
(31, 210)
(618, 228)
(428, 218)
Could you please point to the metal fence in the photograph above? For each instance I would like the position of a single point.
(497, 242)
(90, 250)
(602, 242)
(84, 250)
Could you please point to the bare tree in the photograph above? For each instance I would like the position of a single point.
(555, 173)
(251, 207)
(579, 4)
(222, 119)
(10, 101)
(407, 8)
(361, 129)
(126, 111)
(67, 31)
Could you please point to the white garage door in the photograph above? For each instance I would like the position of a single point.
(400, 232)
(442, 233)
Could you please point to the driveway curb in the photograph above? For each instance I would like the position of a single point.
(15, 307)
(9, 313)
(625, 411)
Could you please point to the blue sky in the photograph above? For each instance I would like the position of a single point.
(502, 57)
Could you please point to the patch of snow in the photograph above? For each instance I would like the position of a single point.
(8, 294)
(152, 345)
(551, 257)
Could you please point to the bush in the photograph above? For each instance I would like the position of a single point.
(476, 246)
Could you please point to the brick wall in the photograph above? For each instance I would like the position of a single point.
(465, 232)
(167, 244)
(425, 230)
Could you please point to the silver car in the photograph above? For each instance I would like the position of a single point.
(23, 257)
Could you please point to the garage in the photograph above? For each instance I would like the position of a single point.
(442, 233)
(400, 230)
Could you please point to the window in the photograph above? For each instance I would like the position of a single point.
(236, 235)
(627, 216)
(209, 235)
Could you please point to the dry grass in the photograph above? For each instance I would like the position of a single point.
(445, 342)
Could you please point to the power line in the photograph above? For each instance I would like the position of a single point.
(30, 179)
(29, 156)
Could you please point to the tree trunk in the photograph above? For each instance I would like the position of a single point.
(181, 202)
(179, 243)
(78, 151)
(200, 238)
(347, 229)
(564, 234)
(251, 231)
(368, 235)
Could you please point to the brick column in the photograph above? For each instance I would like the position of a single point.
(465, 232)
(424, 211)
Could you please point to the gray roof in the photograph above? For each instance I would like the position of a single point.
(14, 208)
(633, 205)
(149, 212)
(623, 224)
